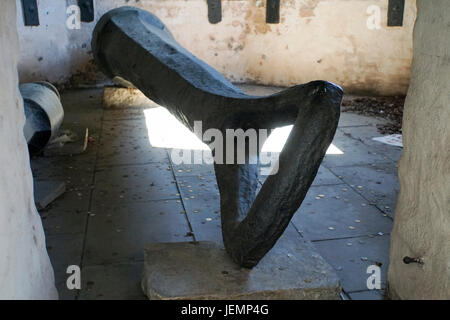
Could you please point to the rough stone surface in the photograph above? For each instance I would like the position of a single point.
(203, 270)
(25, 270)
(422, 216)
(125, 98)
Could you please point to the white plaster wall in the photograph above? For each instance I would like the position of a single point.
(422, 216)
(316, 39)
(25, 270)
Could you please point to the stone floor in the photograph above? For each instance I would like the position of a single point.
(122, 194)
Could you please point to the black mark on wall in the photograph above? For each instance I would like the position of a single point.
(214, 11)
(30, 12)
(396, 10)
(273, 11)
(87, 10)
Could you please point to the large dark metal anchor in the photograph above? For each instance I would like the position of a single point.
(134, 45)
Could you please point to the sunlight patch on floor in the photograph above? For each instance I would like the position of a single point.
(165, 131)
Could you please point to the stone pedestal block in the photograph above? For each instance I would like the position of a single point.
(203, 270)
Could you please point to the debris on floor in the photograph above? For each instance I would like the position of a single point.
(390, 108)
(68, 142)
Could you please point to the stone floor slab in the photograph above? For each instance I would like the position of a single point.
(377, 183)
(203, 213)
(118, 233)
(351, 257)
(64, 250)
(68, 214)
(354, 153)
(203, 270)
(124, 114)
(115, 130)
(201, 200)
(331, 212)
(126, 142)
(324, 177)
(185, 170)
(365, 135)
(77, 171)
(197, 185)
(112, 282)
(83, 107)
(134, 183)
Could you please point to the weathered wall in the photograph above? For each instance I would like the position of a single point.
(316, 39)
(422, 215)
(25, 270)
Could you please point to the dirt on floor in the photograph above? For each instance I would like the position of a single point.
(390, 108)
